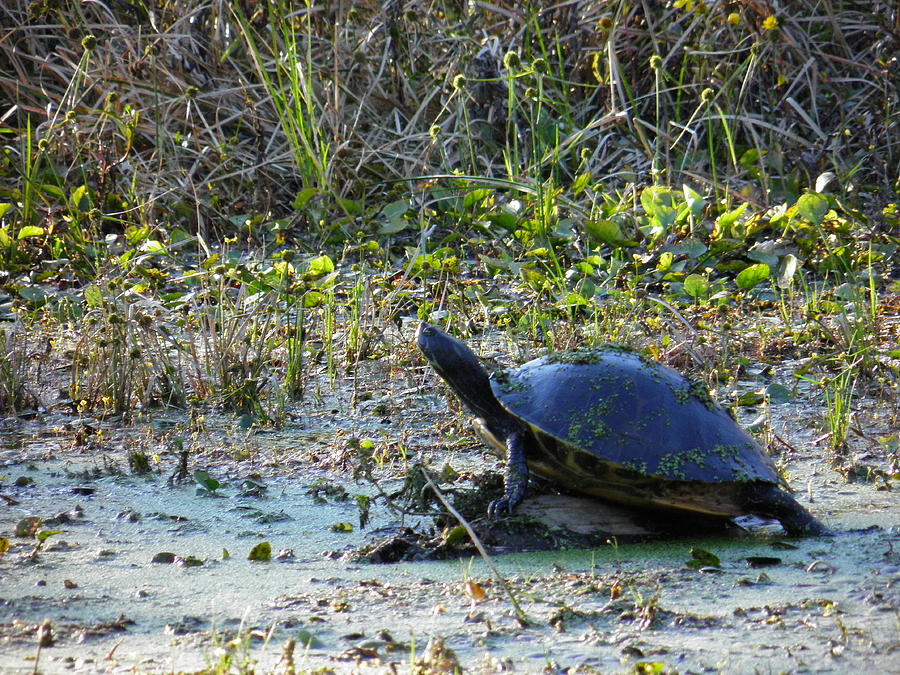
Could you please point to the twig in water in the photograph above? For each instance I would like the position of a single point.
(520, 613)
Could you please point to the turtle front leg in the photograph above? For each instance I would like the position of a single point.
(515, 479)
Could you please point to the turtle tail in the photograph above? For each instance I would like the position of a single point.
(769, 500)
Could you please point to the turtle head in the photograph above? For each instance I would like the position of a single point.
(460, 369)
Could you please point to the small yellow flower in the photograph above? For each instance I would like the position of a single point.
(734, 18)
(771, 23)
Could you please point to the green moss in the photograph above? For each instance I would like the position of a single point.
(683, 395)
(591, 356)
(727, 453)
(574, 432)
(700, 391)
(672, 464)
(589, 421)
(637, 465)
(508, 384)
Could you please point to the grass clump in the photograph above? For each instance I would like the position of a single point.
(234, 209)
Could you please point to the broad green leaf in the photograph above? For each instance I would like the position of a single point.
(33, 294)
(504, 219)
(540, 252)
(262, 551)
(693, 248)
(93, 296)
(30, 231)
(136, 235)
(665, 262)
(786, 270)
(313, 299)
(204, 480)
(769, 259)
(695, 202)
(350, 206)
(696, 286)
(320, 266)
(751, 398)
(179, 234)
(573, 299)
(584, 267)
(660, 205)
(27, 527)
(578, 185)
(534, 278)
(80, 199)
(778, 393)
(396, 209)
(476, 197)
(393, 226)
(725, 222)
(51, 190)
(703, 558)
(303, 198)
(43, 535)
(4, 208)
(780, 213)
(152, 247)
(455, 535)
(342, 527)
(283, 269)
(749, 160)
(813, 207)
(656, 198)
(607, 231)
(565, 228)
(752, 275)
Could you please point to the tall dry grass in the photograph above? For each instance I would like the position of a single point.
(174, 113)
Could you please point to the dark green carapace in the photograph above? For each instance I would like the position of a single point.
(613, 424)
(620, 407)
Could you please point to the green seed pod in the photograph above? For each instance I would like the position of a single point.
(511, 61)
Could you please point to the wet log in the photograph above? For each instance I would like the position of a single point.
(594, 518)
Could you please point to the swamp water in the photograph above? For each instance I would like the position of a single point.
(772, 605)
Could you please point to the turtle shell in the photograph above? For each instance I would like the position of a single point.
(609, 415)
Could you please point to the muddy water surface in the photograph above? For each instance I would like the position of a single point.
(112, 602)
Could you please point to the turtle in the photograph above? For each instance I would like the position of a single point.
(610, 423)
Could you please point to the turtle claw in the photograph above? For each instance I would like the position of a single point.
(500, 507)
